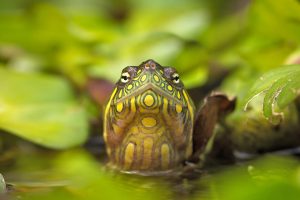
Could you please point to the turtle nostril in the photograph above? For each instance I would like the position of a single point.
(150, 64)
(147, 66)
(153, 66)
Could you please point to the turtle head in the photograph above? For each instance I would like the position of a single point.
(149, 119)
(164, 81)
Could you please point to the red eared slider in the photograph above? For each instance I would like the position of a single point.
(149, 120)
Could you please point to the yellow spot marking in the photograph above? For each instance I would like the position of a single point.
(165, 106)
(132, 103)
(162, 85)
(165, 156)
(139, 71)
(129, 87)
(143, 77)
(120, 94)
(178, 108)
(149, 122)
(129, 155)
(178, 95)
(147, 157)
(156, 78)
(120, 107)
(149, 100)
(134, 130)
(170, 88)
(161, 71)
(137, 84)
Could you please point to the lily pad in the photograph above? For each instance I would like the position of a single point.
(42, 109)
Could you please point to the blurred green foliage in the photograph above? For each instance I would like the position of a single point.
(42, 109)
(267, 178)
(76, 175)
(79, 40)
(49, 49)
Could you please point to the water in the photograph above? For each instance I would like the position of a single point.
(76, 174)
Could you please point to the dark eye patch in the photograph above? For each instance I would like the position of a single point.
(168, 71)
(128, 73)
(131, 70)
(173, 77)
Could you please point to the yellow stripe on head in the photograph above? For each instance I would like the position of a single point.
(190, 104)
(106, 113)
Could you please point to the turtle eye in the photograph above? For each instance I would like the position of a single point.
(125, 77)
(175, 78)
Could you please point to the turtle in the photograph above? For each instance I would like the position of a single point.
(150, 121)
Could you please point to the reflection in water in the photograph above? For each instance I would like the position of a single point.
(75, 174)
(78, 174)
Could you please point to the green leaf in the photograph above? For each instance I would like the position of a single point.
(280, 86)
(41, 109)
(269, 18)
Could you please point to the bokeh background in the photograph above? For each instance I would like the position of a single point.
(59, 60)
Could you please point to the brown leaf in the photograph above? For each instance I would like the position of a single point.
(99, 90)
(214, 107)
